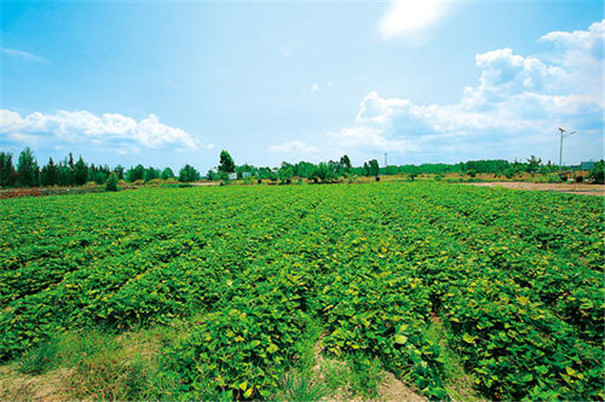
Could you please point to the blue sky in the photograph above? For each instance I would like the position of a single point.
(169, 83)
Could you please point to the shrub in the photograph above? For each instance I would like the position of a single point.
(112, 182)
(597, 175)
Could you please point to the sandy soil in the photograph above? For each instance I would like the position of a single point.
(571, 188)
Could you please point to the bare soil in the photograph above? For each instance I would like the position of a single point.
(47, 387)
(570, 188)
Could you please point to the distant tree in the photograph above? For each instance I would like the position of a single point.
(285, 173)
(167, 174)
(366, 169)
(27, 169)
(304, 169)
(188, 174)
(151, 173)
(412, 174)
(135, 173)
(7, 170)
(80, 172)
(335, 167)
(374, 168)
(211, 175)
(533, 164)
(245, 168)
(597, 174)
(226, 164)
(49, 176)
(112, 182)
(345, 162)
(66, 171)
(119, 171)
(324, 172)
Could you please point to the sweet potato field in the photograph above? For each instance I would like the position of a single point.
(516, 279)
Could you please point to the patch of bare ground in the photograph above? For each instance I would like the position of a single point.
(47, 387)
(389, 387)
(571, 188)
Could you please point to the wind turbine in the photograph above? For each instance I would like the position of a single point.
(563, 135)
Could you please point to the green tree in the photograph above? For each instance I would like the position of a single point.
(167, 174)
(49, 176)
(533, 164)
(27, 169)
(345, 162)
(112, 182)
(597, 174)
(80, 172)
(7, 170)
(135, 173)
(226, 164)
(285, 173)
(211, 175)
(188, 174)
(119, 171)
(324, 172)
(366, 169)
(374, 168)
(151, 173)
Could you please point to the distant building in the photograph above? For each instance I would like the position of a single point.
(245, 175)
(232, 176)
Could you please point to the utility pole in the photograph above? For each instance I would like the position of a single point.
(563, 135)
(385, 160)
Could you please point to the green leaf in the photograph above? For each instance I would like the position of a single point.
(401, 339)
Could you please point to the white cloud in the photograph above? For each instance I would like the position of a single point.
(410, 17)
(512, 112)
(22, 54)
(314, 88)
(111, 131)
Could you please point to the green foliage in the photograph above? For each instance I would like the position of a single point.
(188, 174)
(597, 174)
(373, 168)
(226, 164)
(167, 174)
(345, 162)
(211, 175)
(40, 359)
(80, 172)
(325, 172)
(285, 174)
(27, 169)
(151, 173)
(515, 276)
(135, 174)
(8, 174)
(49, 176)
(112, 182)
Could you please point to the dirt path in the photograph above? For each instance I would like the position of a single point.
(583, 189)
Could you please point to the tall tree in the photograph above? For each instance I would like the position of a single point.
(167, 174)
(80, 172)
(136, 173)
(374, 167)
(345, 162)
(226, 164)
(7, 170)
(49, 176)
(27, 169)
(188, 174)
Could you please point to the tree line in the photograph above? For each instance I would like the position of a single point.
(71, 172)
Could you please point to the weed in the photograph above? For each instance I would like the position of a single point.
(39, 360)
